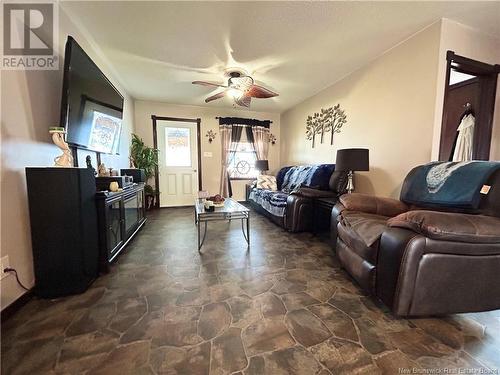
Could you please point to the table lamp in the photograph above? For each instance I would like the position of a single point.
(352, 159)
(262, 165)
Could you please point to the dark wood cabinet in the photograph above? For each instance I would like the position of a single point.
(64, 235)
(120, 216)
(75, 230)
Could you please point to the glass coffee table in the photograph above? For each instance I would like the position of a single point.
(231, 210)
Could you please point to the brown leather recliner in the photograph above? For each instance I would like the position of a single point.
(422, 262)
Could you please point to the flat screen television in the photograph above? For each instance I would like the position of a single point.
(91, 107)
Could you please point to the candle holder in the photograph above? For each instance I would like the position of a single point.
(210, 135)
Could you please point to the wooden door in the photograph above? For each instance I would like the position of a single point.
(480, 92)
(178, 162)
(459, 95)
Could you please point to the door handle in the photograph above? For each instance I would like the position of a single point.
(194, 170)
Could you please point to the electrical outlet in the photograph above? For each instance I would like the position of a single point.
(4, 263)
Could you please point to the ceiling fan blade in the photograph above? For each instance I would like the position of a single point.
(244, 101)
(257, 91)
(205, 83)
(215, 96)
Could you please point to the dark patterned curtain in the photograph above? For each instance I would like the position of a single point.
(235, 138)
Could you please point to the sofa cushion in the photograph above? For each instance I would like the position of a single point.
(313, 176)
(450, 226)
(338, 182)
(372, 204)
(280, 176)
(319, 176)
(361, 232)
(273, 202)
(267, 182)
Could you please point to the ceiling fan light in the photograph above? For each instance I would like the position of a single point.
(235, 93)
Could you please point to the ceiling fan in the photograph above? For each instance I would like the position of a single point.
(240, 87)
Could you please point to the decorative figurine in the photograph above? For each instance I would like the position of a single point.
(66, 159)
(88, 161)
(210, 135)
(103, 172)
(113, 186)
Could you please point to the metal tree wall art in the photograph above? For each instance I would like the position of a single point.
(272, 139)
(327, 120)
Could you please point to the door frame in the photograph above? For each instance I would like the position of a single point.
(155, 118)
(487, 75)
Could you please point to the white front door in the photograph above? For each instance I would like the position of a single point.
(177, 162)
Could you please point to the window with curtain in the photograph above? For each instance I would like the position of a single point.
(242, 161)
(243, 141)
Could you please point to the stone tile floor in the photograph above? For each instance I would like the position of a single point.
(284, 307)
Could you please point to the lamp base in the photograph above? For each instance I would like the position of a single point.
(350, 182)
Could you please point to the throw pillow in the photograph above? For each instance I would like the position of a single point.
(267, 182)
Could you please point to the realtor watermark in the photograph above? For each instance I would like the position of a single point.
(30, 35)
(446, 370)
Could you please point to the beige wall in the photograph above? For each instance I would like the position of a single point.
(390, 108)
(30, 103)
(473, 44)
(210, 166)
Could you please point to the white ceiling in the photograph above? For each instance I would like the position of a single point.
(294, 48)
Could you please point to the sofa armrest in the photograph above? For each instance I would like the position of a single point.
(298, 213)
(373, 205)
(396, 244)
(314, 193)
(450, 226)
(419, 276)
(334, 221)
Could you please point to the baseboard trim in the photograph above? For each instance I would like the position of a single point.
(16, 305)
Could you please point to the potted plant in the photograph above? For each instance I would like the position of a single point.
(146, 158)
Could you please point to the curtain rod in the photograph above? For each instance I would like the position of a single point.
(218, 117)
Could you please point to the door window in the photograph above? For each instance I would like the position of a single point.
(178, 147)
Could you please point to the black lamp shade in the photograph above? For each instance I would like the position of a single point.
(262, 165)
(352, 159)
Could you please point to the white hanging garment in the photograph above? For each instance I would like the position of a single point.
(465, 139)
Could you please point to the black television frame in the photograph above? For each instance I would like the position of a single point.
(70, 42)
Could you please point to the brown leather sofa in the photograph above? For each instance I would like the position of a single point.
(298, 213)
(422, 261)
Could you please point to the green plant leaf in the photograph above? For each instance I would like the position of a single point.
(143, 156)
